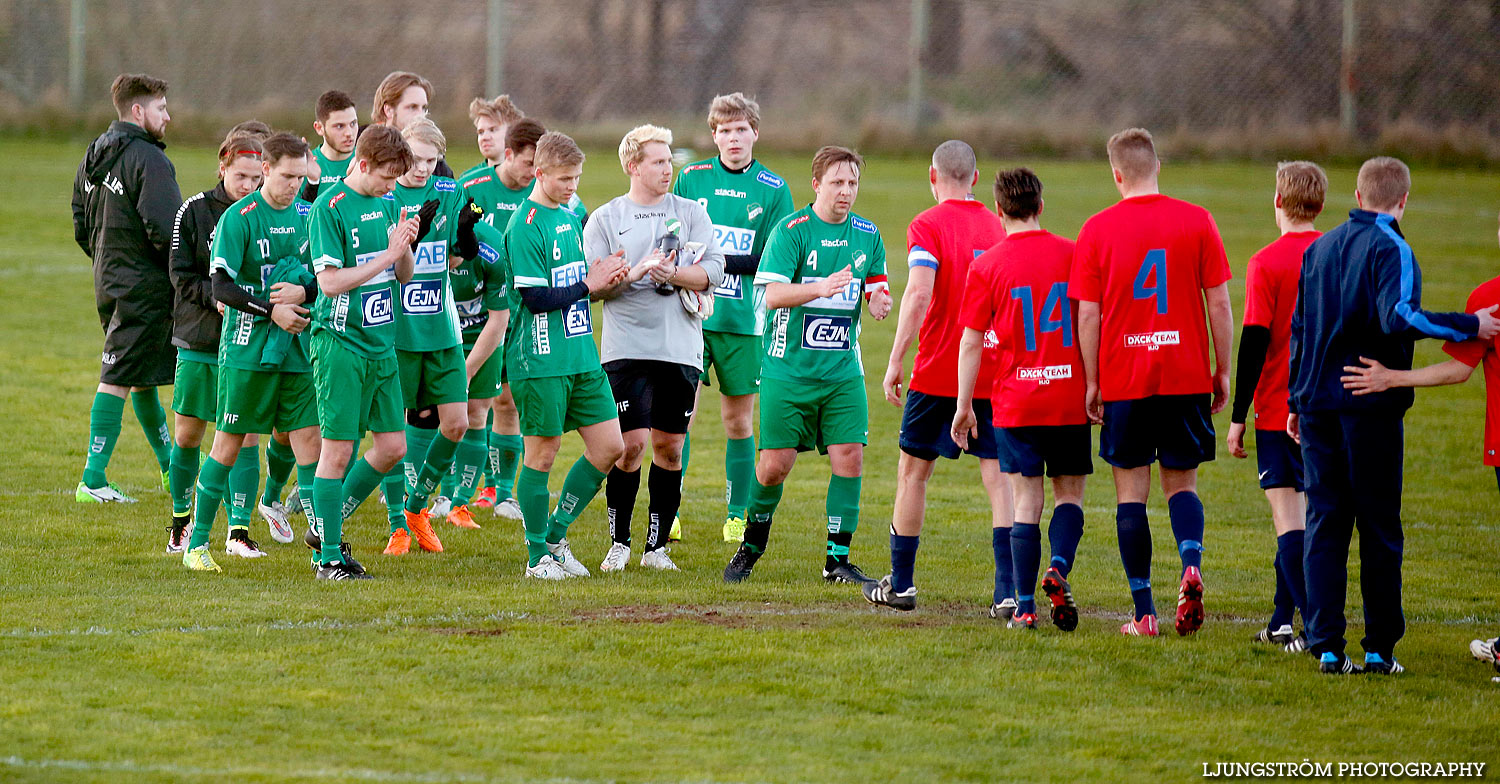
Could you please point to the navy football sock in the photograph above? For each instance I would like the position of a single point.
(1186, 511)
(1005, 578)
(1063, 535)
(1134, 532)
(1289, 558)
(1026, 553)
(903, 560)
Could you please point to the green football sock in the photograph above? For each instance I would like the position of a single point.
(579, 488)
(394, 485)
(761, 510)
(842, 507)
(468, 461)
(531, 493)
(153, 419)
(279, 464)
(492, 463)
(244, 481)
(211, 481)
(439, 458)
(509, 449)
(449, 484)
(418, 440)
(181, 476)
(104, 431)
(361, 480)
(306, 476)
(327, 495)
(739, 474)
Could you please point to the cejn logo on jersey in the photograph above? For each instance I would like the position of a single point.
(422, 297)
(1044, 375)
(827, 333)
(471, 313)
(1153, 341)
(376, 307)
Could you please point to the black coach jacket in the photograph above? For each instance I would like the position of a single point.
(195, 315)
(124, 199)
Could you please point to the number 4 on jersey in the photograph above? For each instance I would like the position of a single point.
(1153, 268)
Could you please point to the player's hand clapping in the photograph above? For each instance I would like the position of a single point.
(292, 318)
(606, 272)
(404, 233)
(666, 270)
(836, 283)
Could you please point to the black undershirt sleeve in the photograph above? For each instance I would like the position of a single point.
(1255, 342)
(235, 297)
(545, 299)
(745, 264)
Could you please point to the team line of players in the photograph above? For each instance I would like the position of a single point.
(414, 279)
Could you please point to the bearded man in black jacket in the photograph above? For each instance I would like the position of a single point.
(125, 198)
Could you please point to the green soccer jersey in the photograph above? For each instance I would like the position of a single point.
(480, 284)
(429, 319)
(818, 342)
(329, 172)
(499, 201)
(744, 207)
(345, 230)
(251, 240)
(544, 248)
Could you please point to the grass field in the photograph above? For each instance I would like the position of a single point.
(117, 664)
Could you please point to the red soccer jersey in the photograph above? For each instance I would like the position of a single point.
(1018, 291)
(1147, 261)
(947, 238)
(1270, 298)
(1471, 353)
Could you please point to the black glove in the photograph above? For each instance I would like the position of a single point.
(467, 245)
(425, 217)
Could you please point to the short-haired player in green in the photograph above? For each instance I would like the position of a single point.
(745, 200)
(552, 360)
(499, 189)
(429, 349)
(336, 122)
(196, 324)
(817, 263)
(361, 246)
(265, 378)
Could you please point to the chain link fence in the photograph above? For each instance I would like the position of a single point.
(1221, 76)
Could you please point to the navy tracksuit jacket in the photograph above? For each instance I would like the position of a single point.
(1359, 296)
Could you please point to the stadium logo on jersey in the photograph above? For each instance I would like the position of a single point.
(369, 216)
(566, 227)
(1153, 340)
(827, 333)
(698, 167)
(248, 208)
(335, 200)
(730, 288)
(431, 257)
(754, 211)
(770, 179)
(1044, 375)
(796, 220)
(477, 180)
(283, 229)
(835, 243)
(303, 209)
(376, 307)
(731, 193)
(422, 297)
(444, 185)
(862, 224)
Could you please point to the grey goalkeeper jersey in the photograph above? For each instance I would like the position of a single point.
(641, 323)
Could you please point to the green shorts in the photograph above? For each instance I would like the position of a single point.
(554, 405)
(802, 416)
(259, 401)
(486, 381)
(432, 378)
(736, 362)
(355, 394)
(195, 389)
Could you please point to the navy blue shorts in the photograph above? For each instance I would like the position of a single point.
(1065, 450)
(1279, 460)
(927, 428)
(1174, 430)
